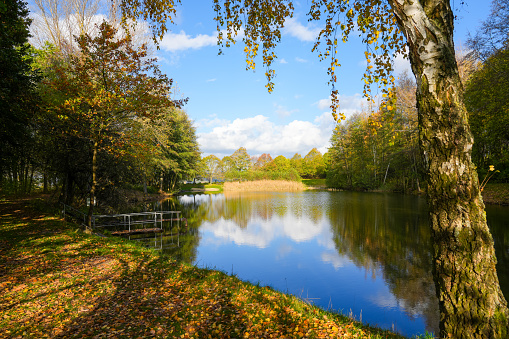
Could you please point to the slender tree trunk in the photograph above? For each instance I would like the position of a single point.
(172, 180)
(386, 172)
(69, 188)
(15, 176)
(470, 299)
(30, 183)
(93, 187)
(25, 176)
(45, 181)
(144, 182)
(374, 163)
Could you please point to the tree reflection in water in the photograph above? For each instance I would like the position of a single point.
(327, 244)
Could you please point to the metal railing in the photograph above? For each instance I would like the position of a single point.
(128, 222)
(137, 221)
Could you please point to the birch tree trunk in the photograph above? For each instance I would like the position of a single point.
(471, 302)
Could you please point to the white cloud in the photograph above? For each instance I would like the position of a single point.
(282, 111)
(324, 120)
(299, 31)
(348, 104)
(401, 65)
(385, 300)
(256, 234)
(323, 104)
(283, 61)
(181, 41)
(211, 122)
(300, 60)
(336, 260)
(259, 135)
(211, 80)
(302, 229)
(261, 233)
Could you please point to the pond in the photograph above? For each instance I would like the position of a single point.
(366, 255)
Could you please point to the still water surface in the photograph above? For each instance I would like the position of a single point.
(362, 254)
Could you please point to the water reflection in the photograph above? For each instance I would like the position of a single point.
(362, 253)
(498, 221)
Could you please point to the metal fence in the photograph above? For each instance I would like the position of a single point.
(155, 221)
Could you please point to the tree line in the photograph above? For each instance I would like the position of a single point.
(379, 149)
(240, 165)
(90, 119)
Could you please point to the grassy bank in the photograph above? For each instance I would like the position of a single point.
(209, 188)
(315, 183)
(496, 193)
(58, 282)
(264, 186)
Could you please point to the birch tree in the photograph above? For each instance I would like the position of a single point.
(56, 21)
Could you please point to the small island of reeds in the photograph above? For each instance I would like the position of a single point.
(264, 186)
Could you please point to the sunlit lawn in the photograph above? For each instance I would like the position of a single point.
(212, 188)
(314, 182)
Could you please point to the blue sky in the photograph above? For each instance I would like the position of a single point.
(231, 107)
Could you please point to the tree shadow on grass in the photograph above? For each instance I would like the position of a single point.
(146, 302)
(74, 285)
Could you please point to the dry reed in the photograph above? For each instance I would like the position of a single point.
(264, 186)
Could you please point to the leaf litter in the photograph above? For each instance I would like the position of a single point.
(56, 282)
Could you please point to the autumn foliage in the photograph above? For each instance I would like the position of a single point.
(56, 282)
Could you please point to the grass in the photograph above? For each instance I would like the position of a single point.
(496, 193)
(263, 186)
(257, 185)
(208, 188)
(57, 281)
(314, 182)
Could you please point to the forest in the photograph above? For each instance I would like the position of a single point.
(241, 166)
(379, 147)
(89, 117)
(78, 115)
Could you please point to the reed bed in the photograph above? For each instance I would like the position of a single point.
(264, 186)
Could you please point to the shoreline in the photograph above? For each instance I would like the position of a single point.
(59, 281)
(493, 193)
